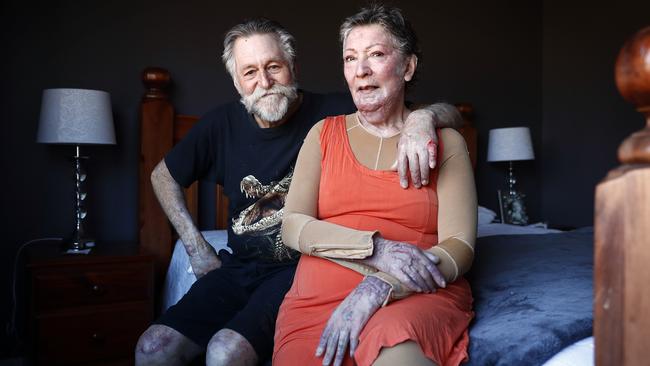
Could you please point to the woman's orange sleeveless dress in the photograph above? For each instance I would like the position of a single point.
(355, 196)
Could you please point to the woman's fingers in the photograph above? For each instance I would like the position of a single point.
(437, 276)
(322, 343)
(432, 257)
(427, 277)
(422, 282)
(425, 273)
(344, 339)
(354, 340)
(433, 269)
(330, 347)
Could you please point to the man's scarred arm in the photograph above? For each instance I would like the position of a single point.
(203, 257)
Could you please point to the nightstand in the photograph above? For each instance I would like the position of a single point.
(88, 309)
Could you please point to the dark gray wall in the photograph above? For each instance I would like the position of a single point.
(584, 117)
(495, 56)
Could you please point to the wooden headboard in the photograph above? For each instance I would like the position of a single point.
(160, 129)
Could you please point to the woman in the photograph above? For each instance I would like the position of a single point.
(344, 206)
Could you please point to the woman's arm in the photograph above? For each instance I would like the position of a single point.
(457, 209)
(302, 231)
(456, 220)
(457, 215)
(300, 228)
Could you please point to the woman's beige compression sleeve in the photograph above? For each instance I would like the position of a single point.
(300, 228)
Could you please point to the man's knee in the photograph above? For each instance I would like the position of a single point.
(162, 345)
(228, 347)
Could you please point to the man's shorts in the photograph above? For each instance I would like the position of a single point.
(241, 295)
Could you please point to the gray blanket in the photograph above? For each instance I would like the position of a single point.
(532, 296)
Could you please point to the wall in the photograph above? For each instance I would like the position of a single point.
(545, 65)
(584, 117)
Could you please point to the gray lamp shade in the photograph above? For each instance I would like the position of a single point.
(76, 116)
(510, 144)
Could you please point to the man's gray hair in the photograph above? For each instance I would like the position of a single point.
(257, 26)
(389, 18)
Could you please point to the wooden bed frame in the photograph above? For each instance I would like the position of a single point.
(622, 221)
(622, 227)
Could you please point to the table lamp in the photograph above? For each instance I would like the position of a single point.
(511, 144)
(76, 117)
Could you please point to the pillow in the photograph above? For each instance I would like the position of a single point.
(485, 215)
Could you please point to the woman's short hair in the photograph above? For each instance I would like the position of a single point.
(258, 26)
(392, 20)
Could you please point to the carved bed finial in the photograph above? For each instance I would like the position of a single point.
(156, 80)
(633, 82)
(467, 111)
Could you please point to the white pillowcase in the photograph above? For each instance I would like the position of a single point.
(485, 215)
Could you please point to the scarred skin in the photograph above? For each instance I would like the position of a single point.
(349, 318)
(228, 347)
(414, 267)
(202, 255)
(162, 345)
(418, 144)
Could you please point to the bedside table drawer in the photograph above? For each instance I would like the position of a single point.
(63, 287)
(105, 334)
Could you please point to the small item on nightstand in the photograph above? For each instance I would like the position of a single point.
(513, 210)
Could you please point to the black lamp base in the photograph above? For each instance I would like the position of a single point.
(78, 243)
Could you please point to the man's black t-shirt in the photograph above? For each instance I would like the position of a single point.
(253, 164)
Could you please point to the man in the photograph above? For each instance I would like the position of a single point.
(250, 148)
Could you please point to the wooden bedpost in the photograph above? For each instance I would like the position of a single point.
(622, 227)
(468, 130)
(156, 129)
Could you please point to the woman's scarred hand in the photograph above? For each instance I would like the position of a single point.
(349, 318)
(413, 267)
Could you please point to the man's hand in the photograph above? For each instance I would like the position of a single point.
(412, 266)
(203, 258)
(417, 148)
(349, 318)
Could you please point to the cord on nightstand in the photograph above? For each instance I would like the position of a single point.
(11, 325)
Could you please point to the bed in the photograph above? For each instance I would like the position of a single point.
(528, 311)
(499, 301)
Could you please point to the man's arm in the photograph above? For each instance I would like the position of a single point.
(418, 143)
(203, 257)
(445, 115)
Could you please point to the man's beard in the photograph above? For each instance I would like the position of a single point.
(270, 105)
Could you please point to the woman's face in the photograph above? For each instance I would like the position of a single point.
(374, 69)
